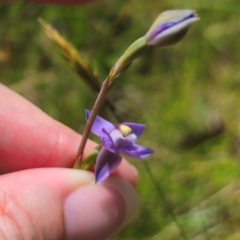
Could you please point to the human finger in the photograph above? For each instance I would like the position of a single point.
(30, 138)
(63, 203)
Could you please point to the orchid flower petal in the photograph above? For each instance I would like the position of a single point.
(99, 124)
(115, 141)
(141, 152)
(107, 141)
(137, 129)
(133, 150)
(106, 163)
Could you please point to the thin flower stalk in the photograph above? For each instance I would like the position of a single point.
(169, 28)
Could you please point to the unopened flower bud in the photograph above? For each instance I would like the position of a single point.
(170, 27)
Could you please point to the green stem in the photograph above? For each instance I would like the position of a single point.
(164, 201)
(90, 160)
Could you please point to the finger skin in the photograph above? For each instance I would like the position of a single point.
(30, 138)
(31, 202)
(57, 203)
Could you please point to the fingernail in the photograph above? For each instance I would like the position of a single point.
(129, 195)
(96, 211)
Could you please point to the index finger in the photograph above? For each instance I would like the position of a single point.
(29, 138)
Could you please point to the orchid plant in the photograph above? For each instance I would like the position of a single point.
(169, 28)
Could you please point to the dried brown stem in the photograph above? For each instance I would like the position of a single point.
(95, 110)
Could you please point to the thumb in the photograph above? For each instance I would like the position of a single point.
(57, 203)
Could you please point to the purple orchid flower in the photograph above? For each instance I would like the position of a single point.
(116, 140)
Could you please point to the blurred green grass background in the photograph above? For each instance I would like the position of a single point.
(188, 95)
